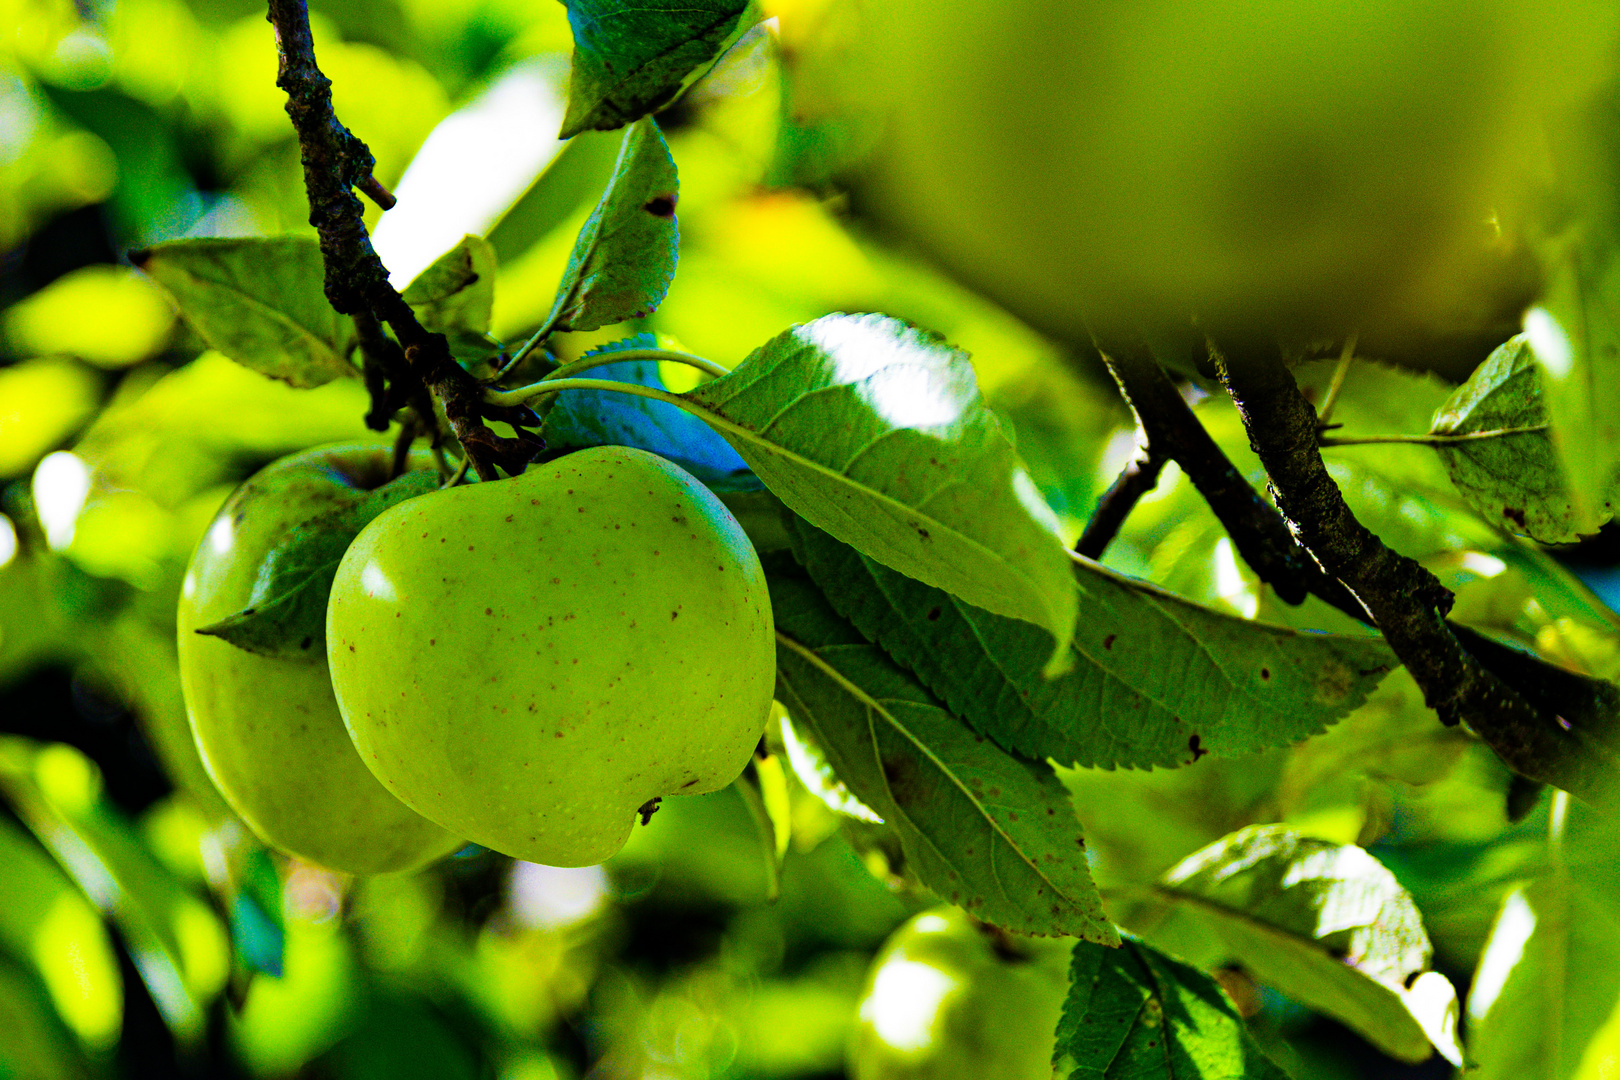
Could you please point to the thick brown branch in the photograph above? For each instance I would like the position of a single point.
(335, 162)
(1406, 602)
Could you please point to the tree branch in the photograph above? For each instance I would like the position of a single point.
(1406, 602)
(1261, 537)
(335, 162)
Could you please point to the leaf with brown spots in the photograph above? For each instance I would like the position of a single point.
(988, 831)
(624, 257)
(1150, 671)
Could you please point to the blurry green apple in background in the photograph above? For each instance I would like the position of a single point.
(1295, 165)
(528, 662)
(950, 999)
(268, 727)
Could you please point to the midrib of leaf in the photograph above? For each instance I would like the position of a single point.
(758, 439)
(873, 705)
(275, 314)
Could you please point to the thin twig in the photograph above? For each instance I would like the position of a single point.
(335, 162)
(1430, 440)
(1140, 476)
(1340, 372)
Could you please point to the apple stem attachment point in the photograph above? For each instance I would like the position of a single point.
(649, 808)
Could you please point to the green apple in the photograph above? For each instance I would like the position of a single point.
(1300, 164)
(268, 728)
(528, 662)
(951, 999)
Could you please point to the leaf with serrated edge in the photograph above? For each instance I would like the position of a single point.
(457, 292)
(1514, 480)
(875, 431)
(260, 301)
(630, 59)
(987, 831)
(624, 257)
(1134, 1013)
(286, 612)
(1327, 925)
(1157, 681)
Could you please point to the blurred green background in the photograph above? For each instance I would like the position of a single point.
(144, 932)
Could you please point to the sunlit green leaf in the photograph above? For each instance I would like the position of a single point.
(1134, 1013)
(46, 922)
(1516, 479)
(624, 257)
(1327, 925)
(174, 938)
(875, 431)
(260, 301)
(34, 1045)
(630, 59)
(1155, 681)
(987, 831)
(1549, 978)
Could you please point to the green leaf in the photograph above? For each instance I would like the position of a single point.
(624, 257)
(1328, 926)
(1134, 1013)
(809, 764)
(580, 418)
(174, 938)
(286, 612)
(457, 292)
(1575, 335)
(33, 1044)
(875, 431)
(260, 301)
(1547, 987)
(1515, 480)
(631, 59)
(1156, 681)
(46, 922)
(985, 830)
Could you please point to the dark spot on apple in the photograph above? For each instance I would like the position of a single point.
(1108, 642)
(508, 517)
(1265, 673)
(662, 206)
(1514, 515)
(488, 611)
(674, 615)
(923, 533)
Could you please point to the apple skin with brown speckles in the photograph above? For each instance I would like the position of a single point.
(529, 661)
(268, 728)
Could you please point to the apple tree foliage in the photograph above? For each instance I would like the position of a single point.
(1148, 752)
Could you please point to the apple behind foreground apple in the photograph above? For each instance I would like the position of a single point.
(268, 728)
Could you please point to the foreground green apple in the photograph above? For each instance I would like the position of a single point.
(528, 662)
(948, 999)
(1314, 164)
(268, 728)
